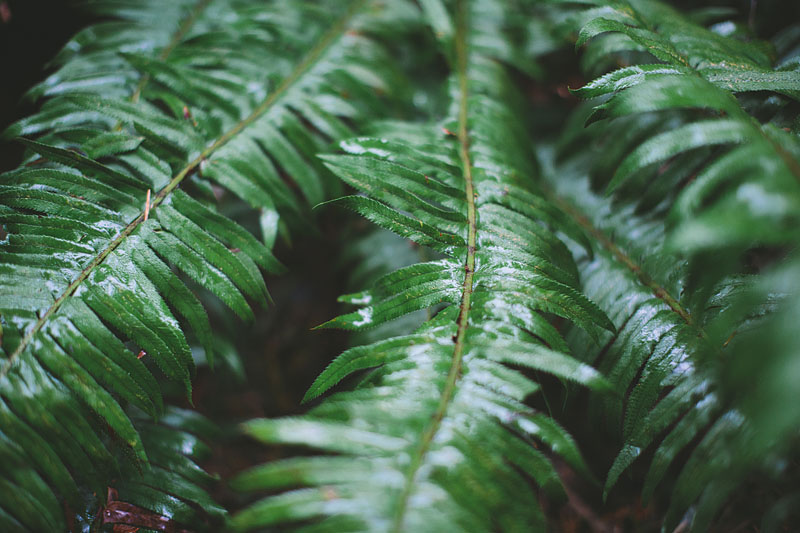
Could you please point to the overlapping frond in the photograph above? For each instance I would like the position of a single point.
(437, 436)
(693, 150)
(661, 360)
(695, 86)
(152, 116)
(171, 492)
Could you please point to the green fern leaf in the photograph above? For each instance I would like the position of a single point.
(445, 404)
(114, 208)
(668, 356)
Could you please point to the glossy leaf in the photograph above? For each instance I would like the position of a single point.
(441, 417)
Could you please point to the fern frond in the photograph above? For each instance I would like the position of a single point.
(686, 151)
(665, 359)
(673, 298)
(702, 72)
(438, 436)
(171, 492)
(115, 201)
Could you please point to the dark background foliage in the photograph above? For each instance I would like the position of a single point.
(31, 35)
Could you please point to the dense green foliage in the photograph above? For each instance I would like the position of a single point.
(603, 291)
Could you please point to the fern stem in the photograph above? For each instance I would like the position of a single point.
(790, 161)
(469, 268)
(308, 61)
(659, 291)
(176, 39)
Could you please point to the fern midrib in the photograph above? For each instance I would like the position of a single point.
(791, 163)
(176, 39)
(469, 274)
(643, 277)
(308, 61)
